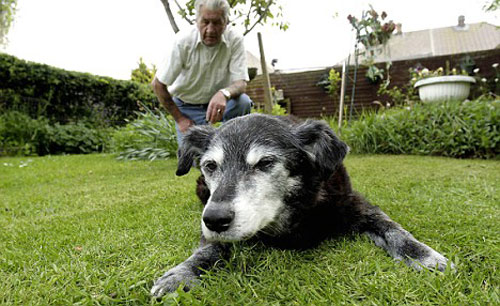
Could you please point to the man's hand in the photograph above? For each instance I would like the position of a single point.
(216, 108)
(184, 124)
(166, 101)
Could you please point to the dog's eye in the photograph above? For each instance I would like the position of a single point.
(265, 164)
(210, 166)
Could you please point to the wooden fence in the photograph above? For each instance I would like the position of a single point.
(309, 100)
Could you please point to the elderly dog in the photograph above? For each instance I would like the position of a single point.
(282, 182)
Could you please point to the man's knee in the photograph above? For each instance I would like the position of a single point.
(246, 103)
(239, 106)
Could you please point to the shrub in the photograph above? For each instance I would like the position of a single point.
(330, 82)
(73, 138)
(277, 110)
(22, 135)
(151, 136)
(454, 129)
(18, 133)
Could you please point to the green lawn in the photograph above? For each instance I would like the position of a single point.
(93, 230)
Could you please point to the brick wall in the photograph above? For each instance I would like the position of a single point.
(309, 100)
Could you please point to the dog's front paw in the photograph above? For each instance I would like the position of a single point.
(170, 281)
(433, 261)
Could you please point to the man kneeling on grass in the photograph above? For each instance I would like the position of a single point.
(204, 78)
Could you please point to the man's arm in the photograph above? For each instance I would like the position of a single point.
(166, 101)
(218, 101)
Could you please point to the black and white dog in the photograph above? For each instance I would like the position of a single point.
(282, 182)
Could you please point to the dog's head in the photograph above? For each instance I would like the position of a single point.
(255, 166)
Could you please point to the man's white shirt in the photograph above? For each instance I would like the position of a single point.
(194, 72)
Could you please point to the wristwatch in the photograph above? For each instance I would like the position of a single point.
(226, 93)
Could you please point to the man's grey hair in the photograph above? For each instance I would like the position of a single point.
(212, 5)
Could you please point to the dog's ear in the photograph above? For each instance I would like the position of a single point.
(322, 145)
(194, 144)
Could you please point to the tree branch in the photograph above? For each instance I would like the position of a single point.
(185, 15)
(170, 15)
(262, 16)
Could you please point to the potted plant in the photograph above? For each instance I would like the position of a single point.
(435, 86)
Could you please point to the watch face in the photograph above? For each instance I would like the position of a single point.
(226, 93)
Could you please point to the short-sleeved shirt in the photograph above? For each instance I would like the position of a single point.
(194, 72)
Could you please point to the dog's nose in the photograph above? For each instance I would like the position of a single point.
(218, 220)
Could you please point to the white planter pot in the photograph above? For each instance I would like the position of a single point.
(444, 88)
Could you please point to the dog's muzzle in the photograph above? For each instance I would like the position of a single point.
(217, 219)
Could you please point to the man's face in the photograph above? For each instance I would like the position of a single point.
(211, 25)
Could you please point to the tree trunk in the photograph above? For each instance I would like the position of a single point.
(170, 15)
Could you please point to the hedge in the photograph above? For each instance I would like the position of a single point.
(63, 96)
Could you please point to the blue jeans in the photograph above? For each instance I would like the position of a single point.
(197, 112)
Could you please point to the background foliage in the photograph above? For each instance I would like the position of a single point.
(7, 12)
(63, 96)
(143, 74)
(330, 82)
(22, 135)
(151, 136)
(454, 129)
(248, 13)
